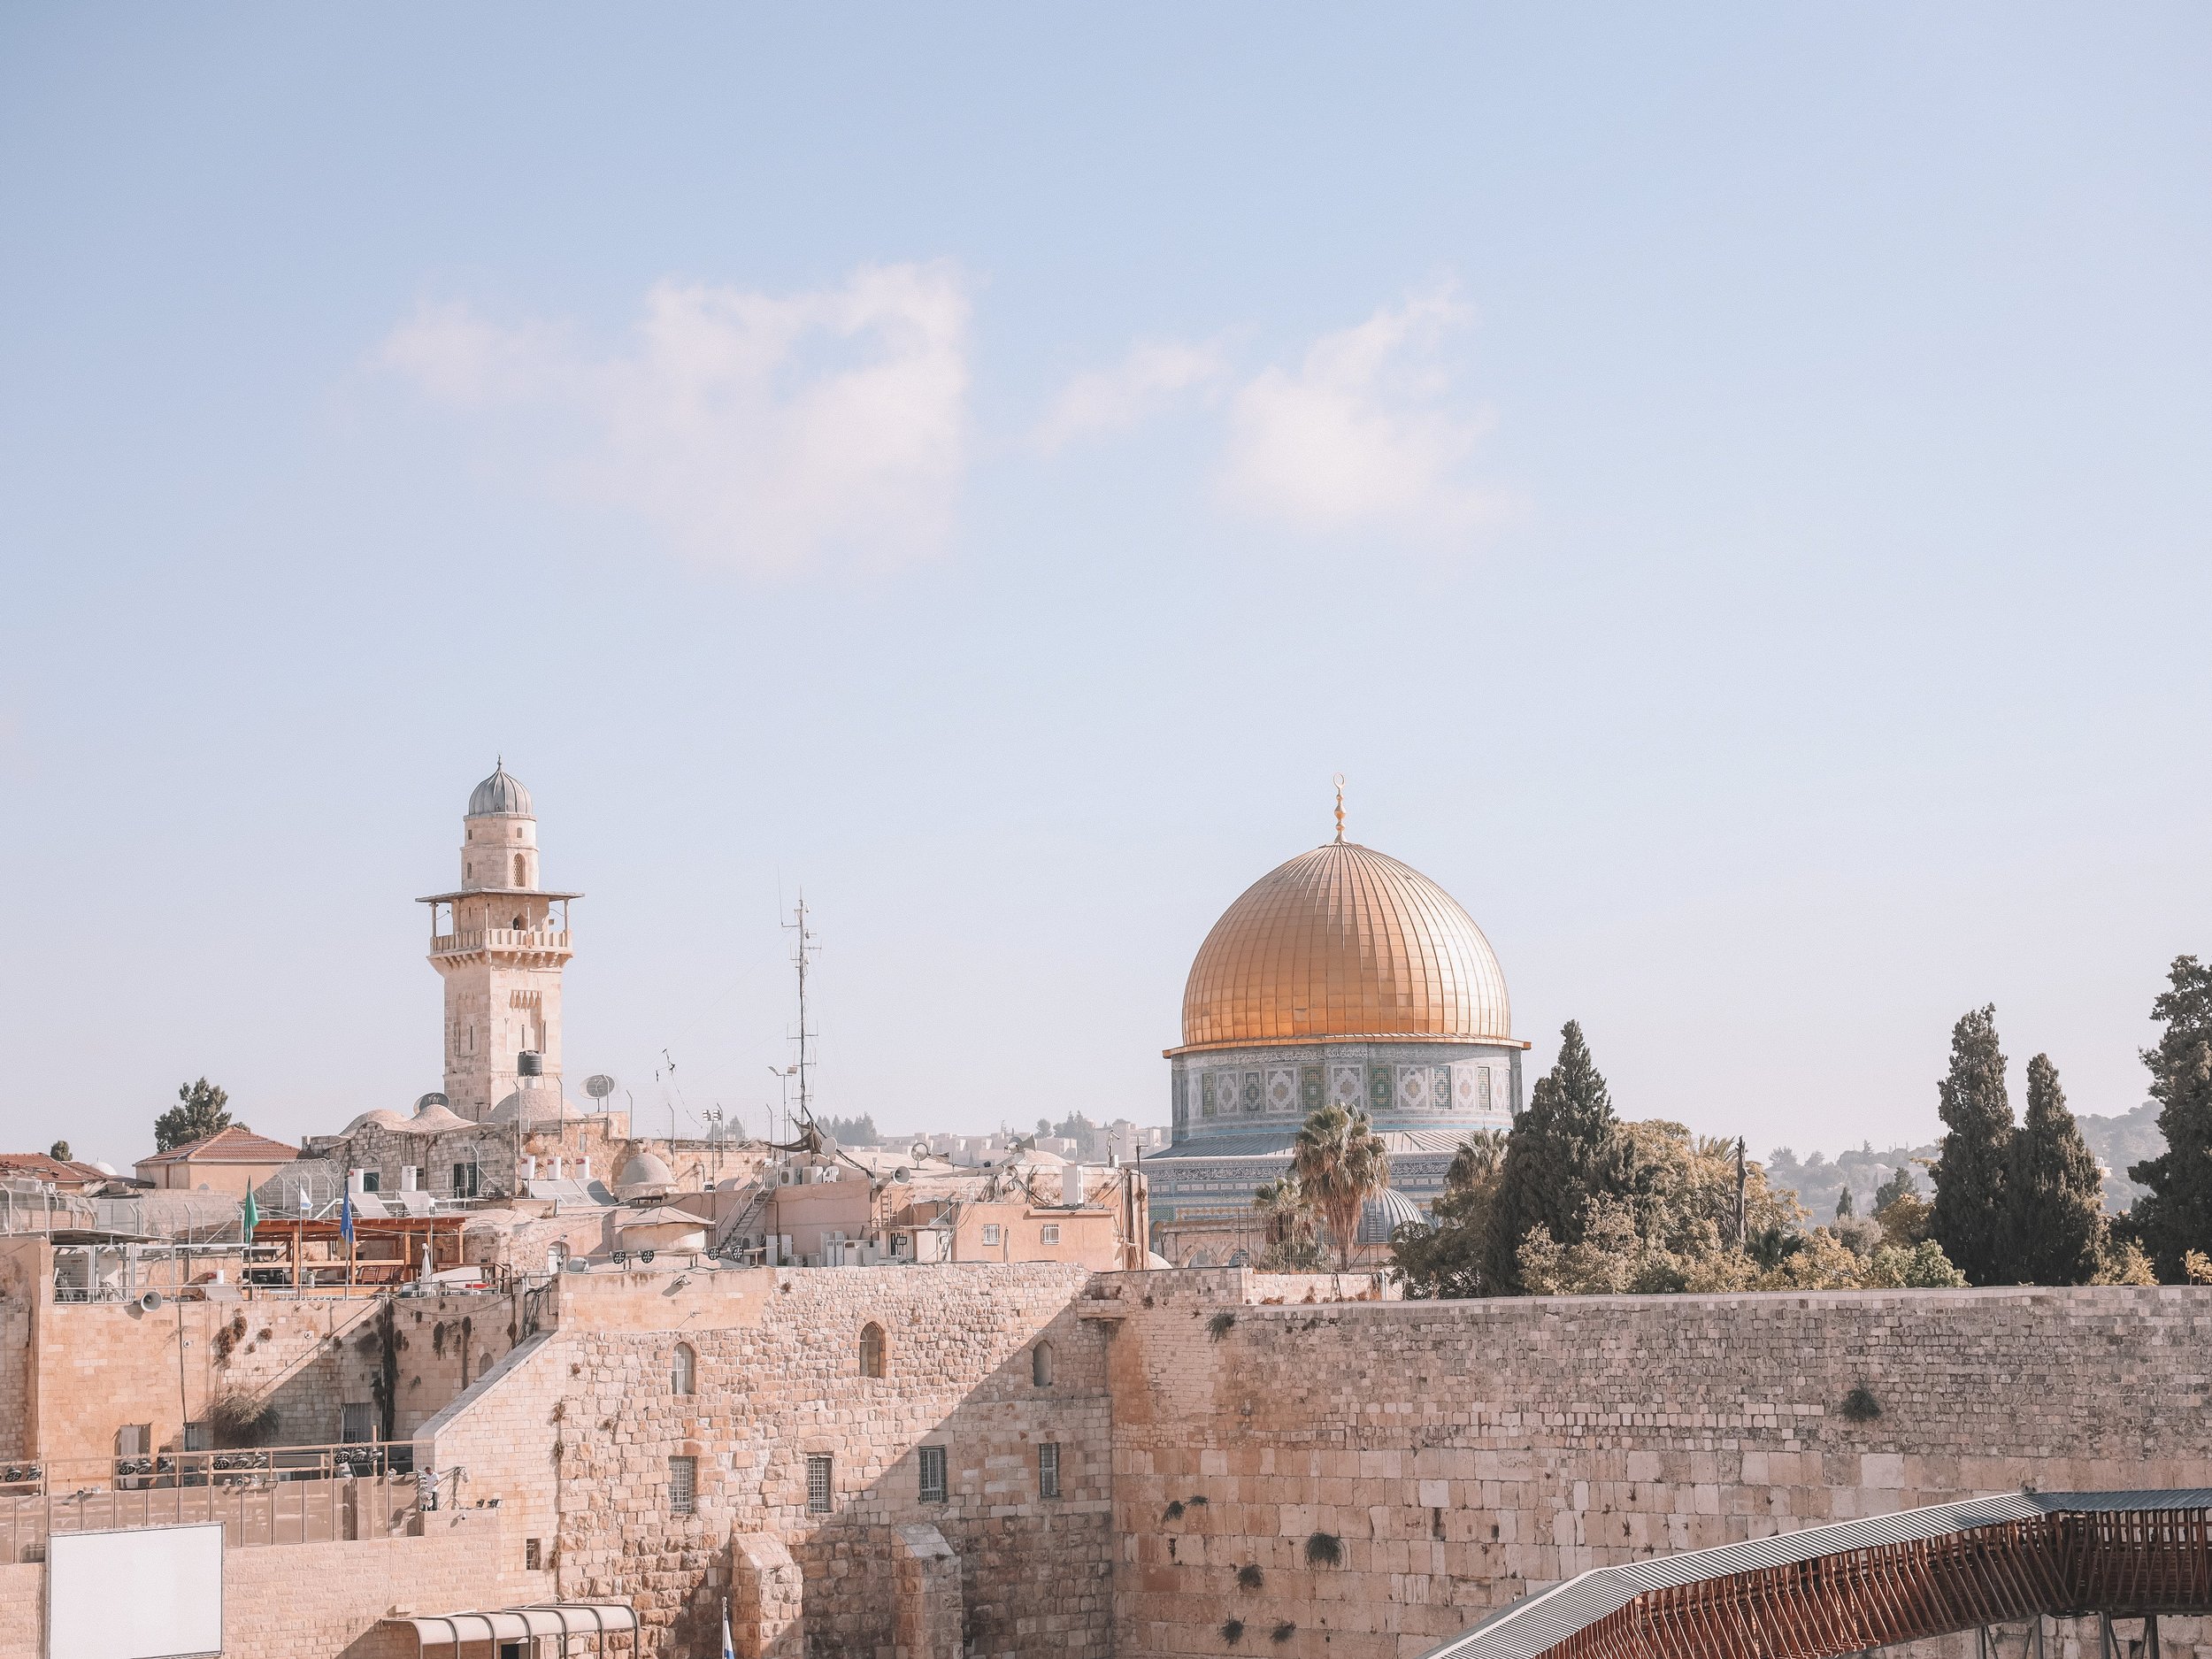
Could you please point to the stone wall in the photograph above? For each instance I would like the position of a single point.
(73, 1374)
(778, 1356)
(1461, 1453)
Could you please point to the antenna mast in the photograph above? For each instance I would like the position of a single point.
(803, 949)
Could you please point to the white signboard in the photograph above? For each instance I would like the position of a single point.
(153, 1594)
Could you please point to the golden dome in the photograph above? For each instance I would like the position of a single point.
(1343, 942)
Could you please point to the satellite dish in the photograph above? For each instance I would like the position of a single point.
(434, 1098)
(150, 1301)
(599, 1085)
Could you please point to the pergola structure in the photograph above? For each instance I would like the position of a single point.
(1826, 1591)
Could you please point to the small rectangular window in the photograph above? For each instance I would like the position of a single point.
(818, 1482)
(357, 1422)
(372, 1180)
(991, 1234)
(683, 1484)
(198, 1437)
(1050, 1233)
(532, 1554)
(933, 1474)
(1048, 1469)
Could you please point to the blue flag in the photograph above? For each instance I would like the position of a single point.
(345, 1216)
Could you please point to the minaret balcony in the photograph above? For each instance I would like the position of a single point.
(537, 939)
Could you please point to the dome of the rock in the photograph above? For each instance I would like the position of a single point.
(1344, 941)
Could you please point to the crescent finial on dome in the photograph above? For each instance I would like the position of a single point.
(1339, 809)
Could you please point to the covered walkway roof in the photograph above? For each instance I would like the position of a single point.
(1825, 1591)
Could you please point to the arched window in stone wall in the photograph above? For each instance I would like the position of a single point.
(1041, 1365)
(683, 1373)
(871, 1350)
(519, 869)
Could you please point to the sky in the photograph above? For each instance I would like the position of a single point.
(1727, 484)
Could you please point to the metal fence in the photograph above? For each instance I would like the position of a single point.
(286, 1494)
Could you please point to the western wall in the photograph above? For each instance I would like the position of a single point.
(1460, 1453)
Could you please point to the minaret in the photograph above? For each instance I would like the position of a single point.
(500, 942)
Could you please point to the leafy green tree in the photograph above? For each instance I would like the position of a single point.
(1969, 1220)
(2054, 1190)
(1341, 1163)
(1444, 1257)
(202, 1108)
(1900, 1185)
(59, 1149)
(1559, 1154)
(2175, 1216)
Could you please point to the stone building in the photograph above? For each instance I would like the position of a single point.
(500, 942)
(1345, 977)
(231, 1161)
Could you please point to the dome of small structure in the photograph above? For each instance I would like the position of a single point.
(430, 1118)
(537, 1106)
(380, 1118)
(499, 796)
(1384, 1214)
(642, 1172)
(1344, 941)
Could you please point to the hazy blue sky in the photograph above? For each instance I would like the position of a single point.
(1728, 484)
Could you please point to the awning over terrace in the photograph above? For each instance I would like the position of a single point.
(1825, 1591)
(513, 1624)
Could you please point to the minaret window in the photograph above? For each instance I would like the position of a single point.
(518, 871)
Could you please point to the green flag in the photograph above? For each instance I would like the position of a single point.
(252, 1217)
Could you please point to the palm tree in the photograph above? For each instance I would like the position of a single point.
(1287, 1216)
(1340, 1163)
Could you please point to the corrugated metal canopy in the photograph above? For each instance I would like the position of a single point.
(513, 1624)
(1533, 1626)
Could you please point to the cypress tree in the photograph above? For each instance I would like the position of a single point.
(2176, 1214)
(1847, 1206)
(2053, 1192)
(1562, 1150)
(1969, 1218)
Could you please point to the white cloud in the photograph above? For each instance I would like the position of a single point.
(1143, 383)
(1360, 432)
(757, 431)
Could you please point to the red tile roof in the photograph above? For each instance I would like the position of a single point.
(40, 1167)
(235, 1145)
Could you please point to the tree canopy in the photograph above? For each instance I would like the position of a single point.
(1559, 1155)
(1969, 1220)
(202, 1108)
(2055, 1192)
(1340, 1163)
(2175, 1216)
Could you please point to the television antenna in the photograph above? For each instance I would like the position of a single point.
(802, 953)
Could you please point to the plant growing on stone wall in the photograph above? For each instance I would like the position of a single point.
(1283, 1631)
(1249, 1577)
(1233, 1631)
(1324, 1550)
(237, 1419)
(1196, 1501)
(1219, 1325)
(1860, 1406)
(1174, 1510)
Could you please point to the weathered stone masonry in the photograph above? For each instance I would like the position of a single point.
(1463, 1453)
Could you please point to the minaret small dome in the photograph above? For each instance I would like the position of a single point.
(499, 796)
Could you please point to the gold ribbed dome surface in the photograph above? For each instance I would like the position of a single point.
(1344, 941)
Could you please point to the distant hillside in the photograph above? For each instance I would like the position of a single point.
(1817, 1179)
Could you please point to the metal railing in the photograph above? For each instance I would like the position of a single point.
(279, 1494)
